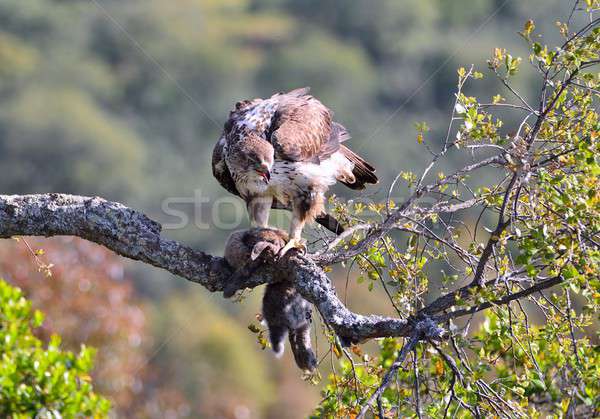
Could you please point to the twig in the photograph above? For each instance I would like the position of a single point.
(385, 382)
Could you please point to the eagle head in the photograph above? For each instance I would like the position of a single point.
(252, 158)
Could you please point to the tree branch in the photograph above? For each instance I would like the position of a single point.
(123, 230)
(377, 232)
(133, 235)
(425, 329)
(542, 285)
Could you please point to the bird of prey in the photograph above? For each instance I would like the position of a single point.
(285, 152)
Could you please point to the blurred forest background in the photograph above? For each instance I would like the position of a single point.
(125, 99)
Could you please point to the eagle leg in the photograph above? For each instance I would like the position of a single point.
(258, 210)
(296, 241)
(298, 244)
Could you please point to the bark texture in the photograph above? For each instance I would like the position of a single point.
(133, 235)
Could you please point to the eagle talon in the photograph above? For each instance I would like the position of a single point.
(298, 244)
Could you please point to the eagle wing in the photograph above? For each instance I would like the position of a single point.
(219, 167)
(302, 128)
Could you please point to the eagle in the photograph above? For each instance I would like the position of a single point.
(285, 152)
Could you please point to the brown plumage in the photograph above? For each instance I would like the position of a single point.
(285, 152)
(284, 310)
(301, 126)
(363, 172)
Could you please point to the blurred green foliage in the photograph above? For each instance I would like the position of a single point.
(222, 373)
(126, 98)
(38, 381)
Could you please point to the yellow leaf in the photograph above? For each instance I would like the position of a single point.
(439, 367)
(337, 350)
(528, 28)
(498, 53)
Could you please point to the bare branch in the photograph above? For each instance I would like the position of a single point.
(425, 329)
(123, 230)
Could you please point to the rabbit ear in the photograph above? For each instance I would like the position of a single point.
(258, 249)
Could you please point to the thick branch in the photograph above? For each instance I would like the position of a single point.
(123, 230)
(132, 234)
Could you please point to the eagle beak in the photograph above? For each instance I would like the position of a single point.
(264, 172)
(266, 176)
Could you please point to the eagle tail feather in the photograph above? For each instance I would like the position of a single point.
(330, 223)
(363, 171)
